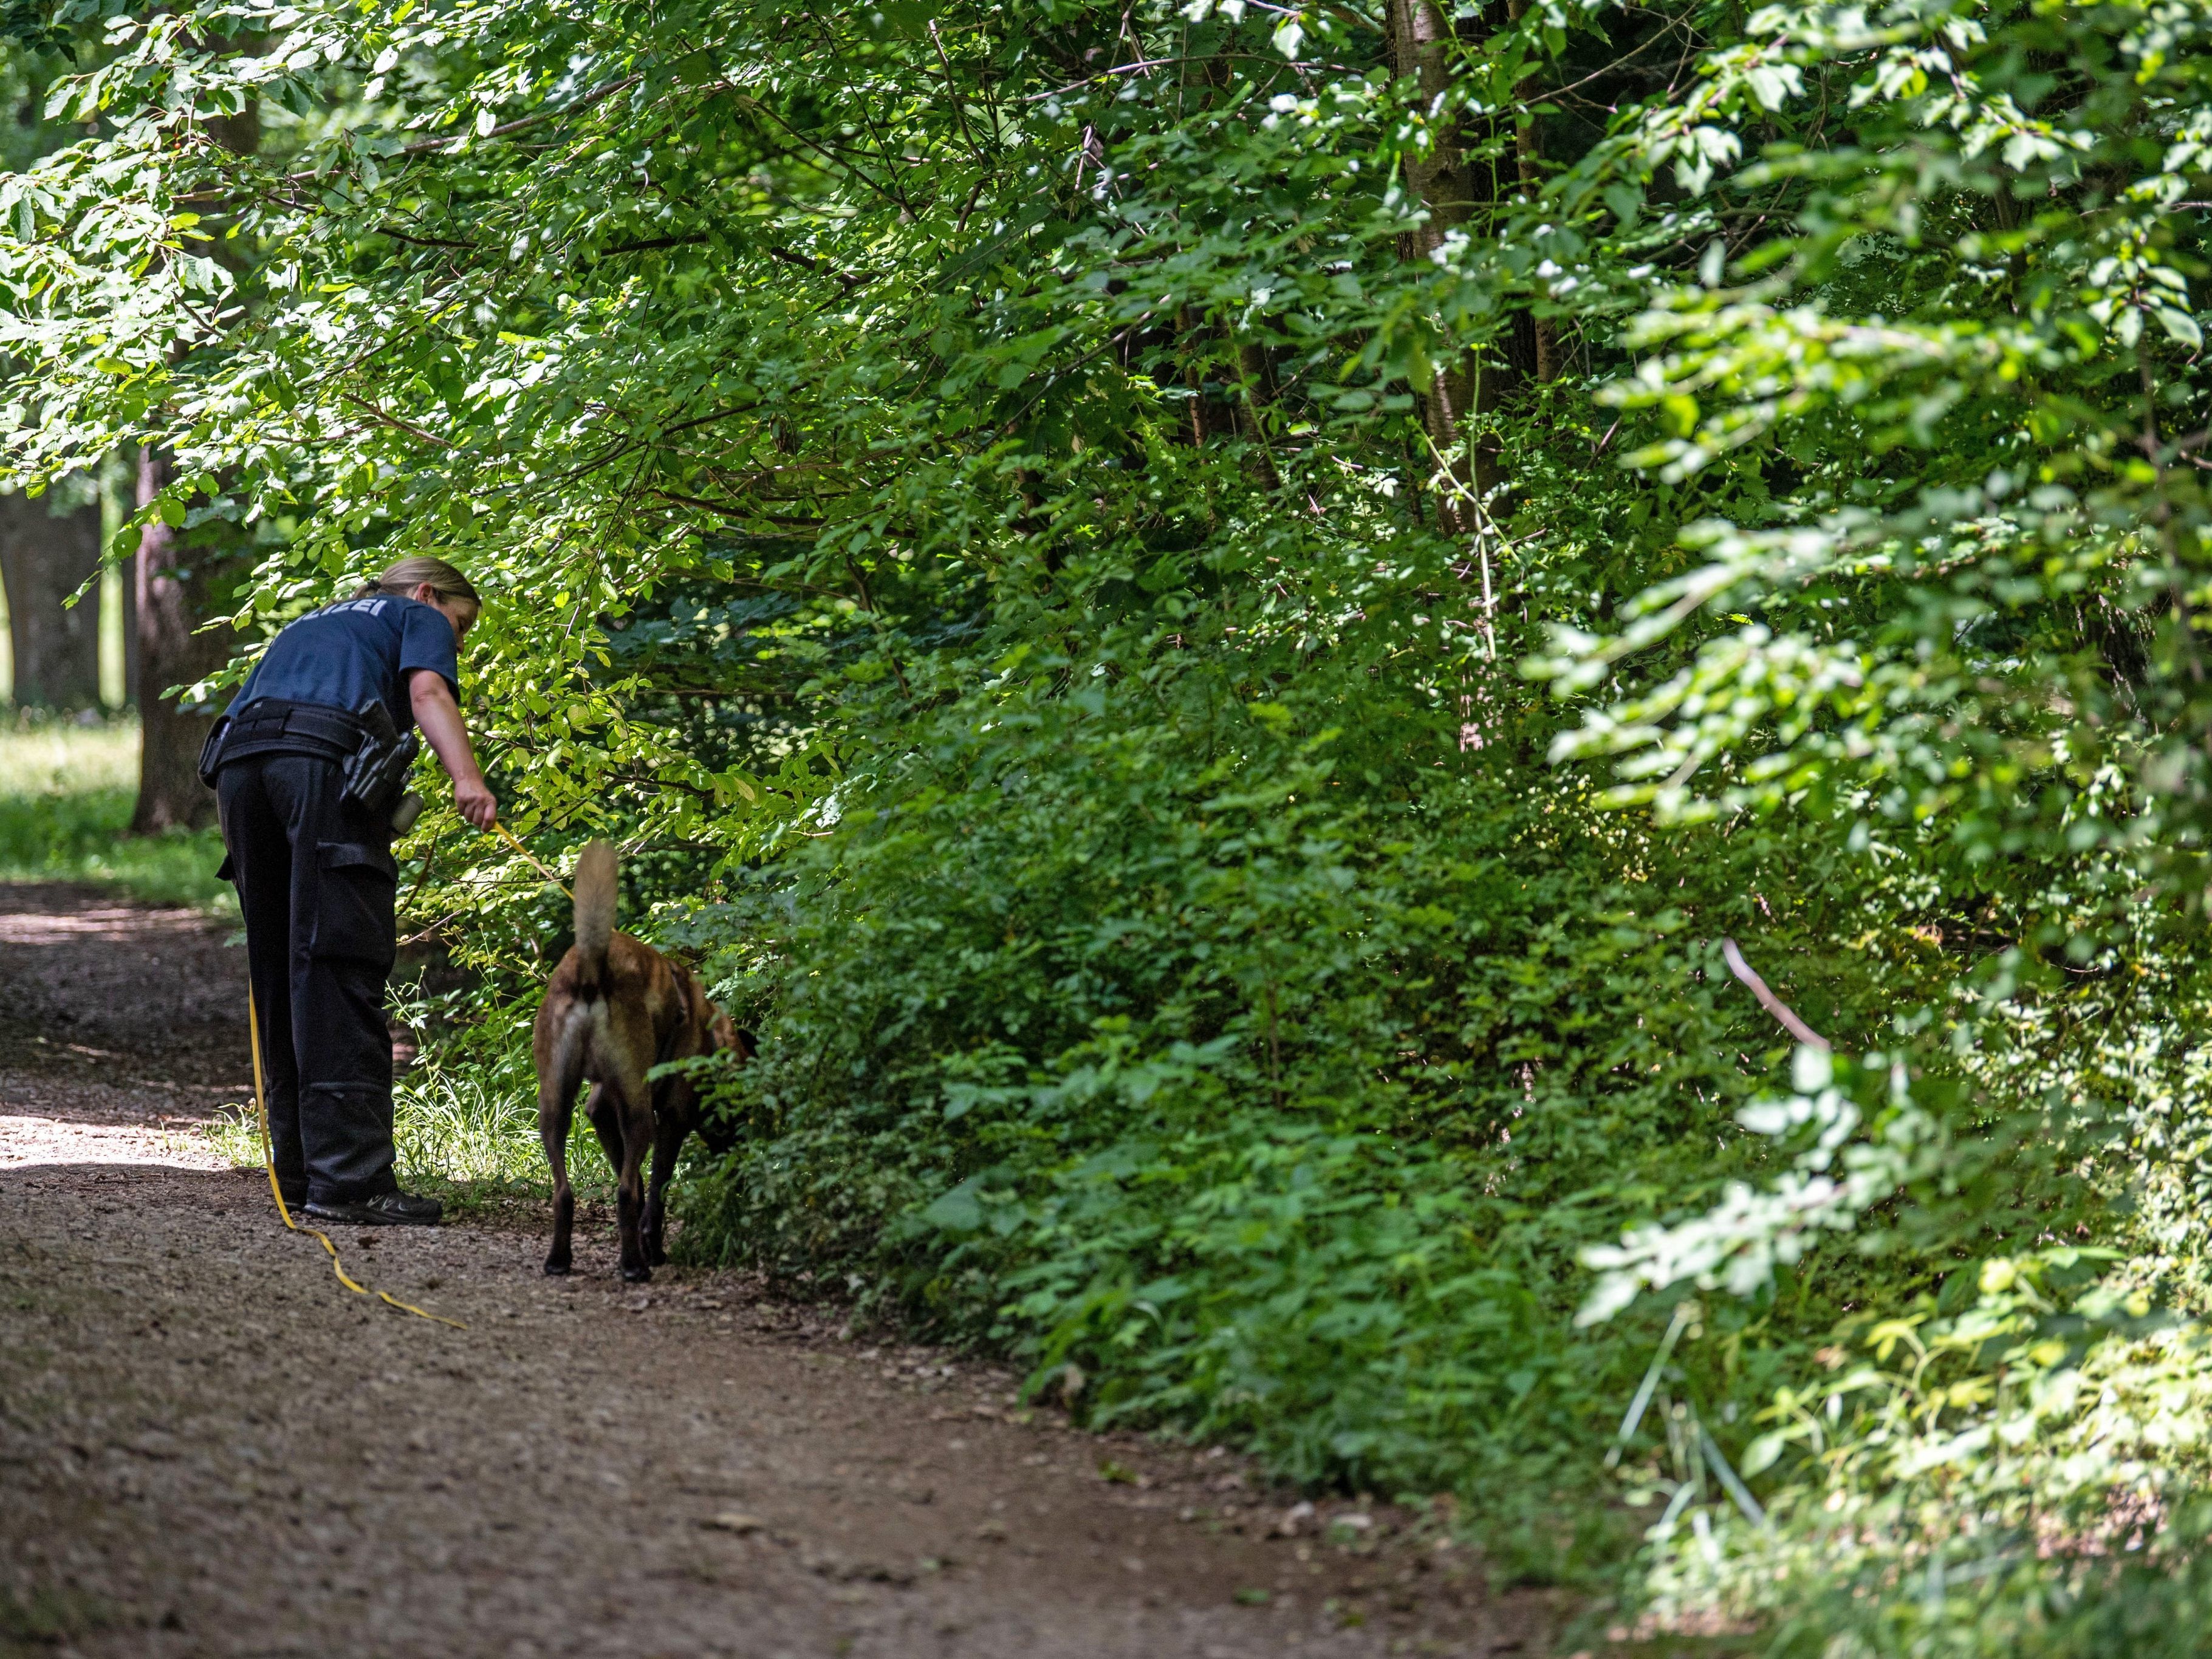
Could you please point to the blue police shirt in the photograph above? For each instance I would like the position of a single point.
(353, 649)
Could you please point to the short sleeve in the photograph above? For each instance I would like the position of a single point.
(426, 641)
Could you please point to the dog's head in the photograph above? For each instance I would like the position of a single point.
(724, 1035)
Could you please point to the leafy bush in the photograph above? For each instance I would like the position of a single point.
(1277, 1108)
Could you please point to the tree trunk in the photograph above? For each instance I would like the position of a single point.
(1528, 162)
(1443, 182)
(172, 595)
(176, 575)
(129, 595)
(1194, 334)
(46, 557)
(1257, 374)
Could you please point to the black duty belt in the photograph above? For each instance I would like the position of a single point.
(277, 726)
(371, 754)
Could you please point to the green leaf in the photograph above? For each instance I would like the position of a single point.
(1761, 1453)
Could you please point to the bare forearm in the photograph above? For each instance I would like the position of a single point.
(440, 717)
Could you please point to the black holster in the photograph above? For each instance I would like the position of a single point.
(375, 774)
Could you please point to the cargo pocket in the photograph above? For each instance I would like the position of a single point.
(357, 888)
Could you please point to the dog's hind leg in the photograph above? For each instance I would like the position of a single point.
(668, 1133)
(560, 1068)
(603, 1107)
(630, 1104)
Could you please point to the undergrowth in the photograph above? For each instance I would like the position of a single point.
(1246, 1107)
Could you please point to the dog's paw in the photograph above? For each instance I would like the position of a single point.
(637, 1275)
(556, 1269)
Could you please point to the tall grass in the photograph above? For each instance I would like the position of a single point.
(465, 1121)
(463, 1128)
(66, 793)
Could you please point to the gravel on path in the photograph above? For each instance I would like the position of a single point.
(208, 1447)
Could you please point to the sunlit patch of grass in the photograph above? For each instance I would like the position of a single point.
(462, 1128)
(51, 755)
(468, 1136)
(66, 795)
(235, 1136)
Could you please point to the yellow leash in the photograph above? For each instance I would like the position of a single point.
(269, 1162)
(508, 835)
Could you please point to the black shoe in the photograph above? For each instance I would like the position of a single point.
(384, 1210)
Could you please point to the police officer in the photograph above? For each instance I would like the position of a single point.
(315, 876)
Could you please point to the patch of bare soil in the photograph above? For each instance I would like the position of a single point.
(208, 1446)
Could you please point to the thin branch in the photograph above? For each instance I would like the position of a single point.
(399, 236)
(708, 420)
(576, 108)
(647, 247)
(952, 92)
(1774, 1004)
(408, 427)
(818, 267)
(742, 515)
(1146, 64)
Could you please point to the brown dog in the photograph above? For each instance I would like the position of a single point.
(616, 1009)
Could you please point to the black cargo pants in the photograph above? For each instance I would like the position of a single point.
(317, 884)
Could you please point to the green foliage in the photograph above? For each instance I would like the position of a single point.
(1110, 565)
(66, 797)
(465, 1123)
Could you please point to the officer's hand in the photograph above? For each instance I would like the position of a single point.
(478, 806)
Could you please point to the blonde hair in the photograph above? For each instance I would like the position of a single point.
(408, 574)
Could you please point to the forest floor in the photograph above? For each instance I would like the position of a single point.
(208, 1446)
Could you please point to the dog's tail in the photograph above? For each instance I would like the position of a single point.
(595, 910)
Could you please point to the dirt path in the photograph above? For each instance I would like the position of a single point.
(208, 1447)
